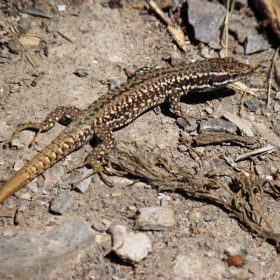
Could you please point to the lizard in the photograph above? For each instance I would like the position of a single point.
(123, 104)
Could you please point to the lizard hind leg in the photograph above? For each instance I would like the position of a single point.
(105, 135)
(61, 114)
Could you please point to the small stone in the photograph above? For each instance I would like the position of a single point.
(36, 203)
(235, 260)
(130, 247)
(194, 217)
(263, 96)
(217, 125)
(101, 226)
(243, 125)
(255, 43)
(26, 196)
(191, 126)
(199, 150)
(265, 110)
(182, 148)
(227, 274)
(208, 218)
(17, 143)
(163, 196)
(62, 202)
(276, 107)
(50, 29)
(44, 251)
(76, 175)
(185, 137)
(252, 105)
(61, 8)
(238, 50)
(19, 164)
(116, 194)
(83, 186)
(81, 73)
(155, 218)
(201, 15)
(240, 30)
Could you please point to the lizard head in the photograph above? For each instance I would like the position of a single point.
(227, 70)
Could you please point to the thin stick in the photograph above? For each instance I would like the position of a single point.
(266, 149)
(160, 13)
(226, 26)
(270, 77)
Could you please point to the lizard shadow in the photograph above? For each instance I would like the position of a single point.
(196, 98)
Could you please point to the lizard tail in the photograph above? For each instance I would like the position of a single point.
(50, 155)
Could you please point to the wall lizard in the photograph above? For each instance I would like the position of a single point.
(119, 107)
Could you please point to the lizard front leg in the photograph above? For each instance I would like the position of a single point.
(175, 104)
(61, 114)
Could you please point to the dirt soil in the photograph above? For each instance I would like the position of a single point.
(104, 41)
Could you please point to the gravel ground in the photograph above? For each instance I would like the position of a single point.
(196, 236)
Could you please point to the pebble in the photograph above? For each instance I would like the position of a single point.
(255, 43)
(26, 196)
(188, 127)
(53, 175)
(101, 226)
(242, 31)
(62, 202)
(276, 107)
(46, 251)
(265, 110)
(194, 217)
(243, 125)
(227, 275)
(182, 148)
(217, 125)
(252, 105)
(201, 15)
(76, 175)
(185, 137)
(81, 73)
(130, 247)
(235, 260)
(83, 186)
(155, 218)
(208, 218)
(50, 28)
(17, 143)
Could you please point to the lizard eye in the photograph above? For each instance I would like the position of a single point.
(210, 82)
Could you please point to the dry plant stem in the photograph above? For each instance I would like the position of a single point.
(268, 148)
(241, 87)
(244, 204)
(226, 26)
(17, 40)
(160, 13)
(270, 77)
(65, 37)
(176, 33)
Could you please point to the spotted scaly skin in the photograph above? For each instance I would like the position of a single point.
(119, 107)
